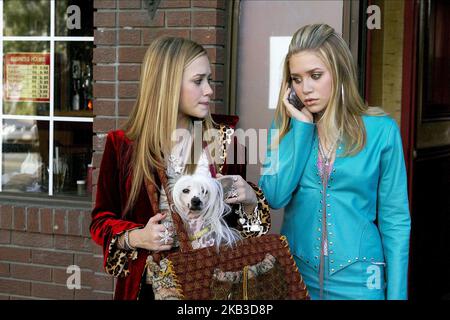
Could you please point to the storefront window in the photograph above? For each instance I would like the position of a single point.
(26, 18)
(46, 108)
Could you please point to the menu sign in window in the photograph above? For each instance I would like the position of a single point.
(27, 77)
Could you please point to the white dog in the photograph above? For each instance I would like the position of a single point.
(198, 199)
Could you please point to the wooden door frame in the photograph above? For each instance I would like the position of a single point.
(409, 87)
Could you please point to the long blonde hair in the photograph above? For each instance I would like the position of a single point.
(342, 118)
(155, 113)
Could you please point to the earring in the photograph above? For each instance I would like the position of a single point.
(342, 94)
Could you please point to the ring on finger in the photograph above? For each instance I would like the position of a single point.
(165, 236)
(234, 193)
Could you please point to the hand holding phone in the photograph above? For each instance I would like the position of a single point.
(294, 99)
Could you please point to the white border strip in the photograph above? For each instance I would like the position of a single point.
(47, 118)
(43, 38)
(52, 93)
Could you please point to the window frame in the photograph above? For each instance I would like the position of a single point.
(51, 118)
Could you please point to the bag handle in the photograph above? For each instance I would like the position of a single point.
(183, 237)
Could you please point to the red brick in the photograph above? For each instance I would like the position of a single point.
(216, 55)
(104, 124)
(140, 19)
(23, 298)
(170, 4)
(97, 262)
(104, 107)
(104, 37)
(97, 251)
(130, 4)
(6, 216)
(15, 254)
(84, 260)
(51, 291)
(104, 4)
(73, 243)
(130, 37)
(46, 220)
(104, 19)
(32, 239)
(103, 283)
(33, 220)
(84, 294)
(125, 107)
(51, 257)
(121, 122)
(30, 272)
(178, 18)
(220, 4)
(218, 107)
(59, 275)
(96, 295)
(4, 269)
(97, 159)
(60, 222)
(96, 172)
(129, 72)
(208, 18)
(104, 73)
(217, 72)
(104, 55)
(98, 142)
(19, 218)
(208, 36)
(218, 91)
(148, 35)
(104, 90)
(87, 279)
(86, 222)
(132, 54)
(89, 294)
(74, 222)
(16, 287)
(128, 90)
(5, 236)
(94, 194)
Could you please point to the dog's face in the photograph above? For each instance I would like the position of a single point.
(192, 194)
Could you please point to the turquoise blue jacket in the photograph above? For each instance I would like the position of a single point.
(362, 188)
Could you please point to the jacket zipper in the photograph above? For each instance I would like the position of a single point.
(324, 228)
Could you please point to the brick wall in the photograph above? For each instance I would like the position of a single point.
(123, 33)
(37, 244)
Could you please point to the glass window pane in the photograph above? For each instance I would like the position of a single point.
(25, 156)
(72, 156)
(73, 69)
(26, 78)
(26, 18)
(74, 18)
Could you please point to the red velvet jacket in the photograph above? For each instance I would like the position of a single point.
(113, 189)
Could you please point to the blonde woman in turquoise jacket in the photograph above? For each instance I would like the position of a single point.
(337, 168)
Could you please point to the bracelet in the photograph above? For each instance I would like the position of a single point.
(128, 247)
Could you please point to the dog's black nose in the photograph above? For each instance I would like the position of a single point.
(195, 203)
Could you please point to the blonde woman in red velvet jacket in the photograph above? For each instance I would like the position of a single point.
(174, 93)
